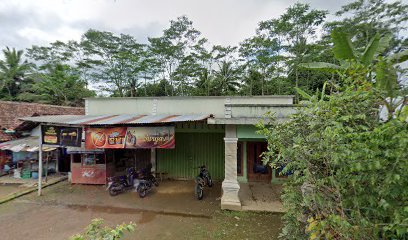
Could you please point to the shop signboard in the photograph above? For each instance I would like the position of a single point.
(62, 136)
(105, 137)
(130, 137)
(150, 137)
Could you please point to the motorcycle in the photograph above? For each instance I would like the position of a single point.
(146, 181)
(122, 183)
(203, 179)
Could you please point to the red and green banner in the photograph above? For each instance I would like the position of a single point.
(130, 137)
(105, 137)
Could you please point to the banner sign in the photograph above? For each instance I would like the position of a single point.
(150, 137)
(63, 136)
(131, 137)
(105, 137)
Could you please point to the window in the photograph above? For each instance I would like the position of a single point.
(240, 164)
(90, 159)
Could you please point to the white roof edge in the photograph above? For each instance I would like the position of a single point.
(190, 97)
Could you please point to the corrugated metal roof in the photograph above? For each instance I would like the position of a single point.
(28, 144)
(115, 119)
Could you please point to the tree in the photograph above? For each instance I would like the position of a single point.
(116, 61)
(293, 31)
(13, 72)
(363, 19)
(261, 54)
(347, 167)
(175, 53)
(227, 78)
(60, 85)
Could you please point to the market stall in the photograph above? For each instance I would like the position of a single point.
(21, 157)
(89, 166)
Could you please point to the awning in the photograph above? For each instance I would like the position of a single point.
(72, 150)
(121, 119)
(28, 144)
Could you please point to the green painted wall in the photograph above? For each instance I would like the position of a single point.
(192, 150)
(248, 132)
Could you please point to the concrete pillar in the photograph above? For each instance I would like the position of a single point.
(230, 185)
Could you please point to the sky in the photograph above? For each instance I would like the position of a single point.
(225, 22)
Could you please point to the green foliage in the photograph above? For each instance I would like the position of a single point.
(60, 85)
(363, 19)
(282, 55)
(348, 167)
(95, 231)
(14, 73)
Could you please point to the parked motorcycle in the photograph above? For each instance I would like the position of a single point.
(122, 183)
(203, 179)
(146, 181)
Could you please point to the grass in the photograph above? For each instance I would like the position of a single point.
(240, 225)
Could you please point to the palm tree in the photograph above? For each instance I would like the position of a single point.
(13, 71)
(227, 77)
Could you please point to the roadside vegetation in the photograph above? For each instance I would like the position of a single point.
(182, 62)
(346, 148)
(96, 231)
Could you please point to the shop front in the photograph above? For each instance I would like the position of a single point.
(179, 134)
(20, 157)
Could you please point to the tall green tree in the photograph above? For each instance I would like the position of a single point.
(363, 19)
(261, 54)
(175, 51)
(294, 31)
(227, 78)
(347, 166)
(60, 85)
(116, 61)
(14, 72)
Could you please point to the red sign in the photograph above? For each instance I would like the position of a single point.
(88, 175)
(105, 137)
(150, 137)
(131, 137)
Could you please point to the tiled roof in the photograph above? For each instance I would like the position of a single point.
(11, 112)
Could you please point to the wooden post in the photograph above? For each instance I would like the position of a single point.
(40, 165)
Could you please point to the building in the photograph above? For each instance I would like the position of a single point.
(216, 131)
(19, 139)
(10, 113)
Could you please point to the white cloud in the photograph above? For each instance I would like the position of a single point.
(225, 22)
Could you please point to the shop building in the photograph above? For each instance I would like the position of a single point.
(218, 132)
(19, 140)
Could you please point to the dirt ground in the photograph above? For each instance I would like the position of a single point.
(168, 212)
(6, 189)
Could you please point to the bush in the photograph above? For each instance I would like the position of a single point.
(349, 169)
(95, 231)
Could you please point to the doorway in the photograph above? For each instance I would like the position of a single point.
(257, 172)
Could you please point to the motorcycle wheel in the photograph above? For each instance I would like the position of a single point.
(142, 192)
(155, 182)
(199, 191)
(112, 191)
(210, 182)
